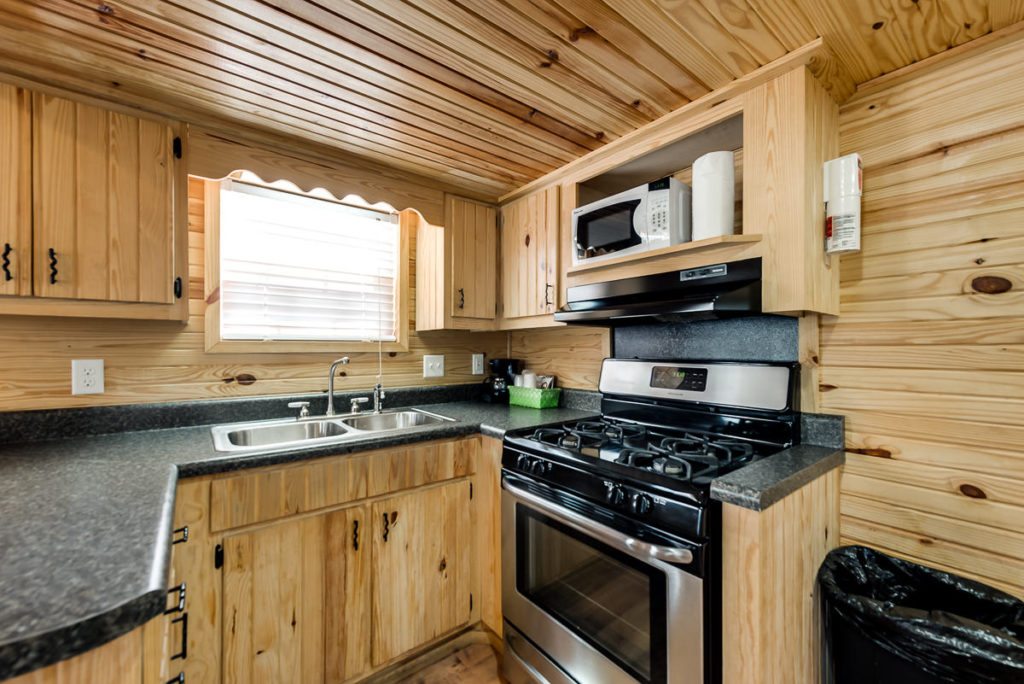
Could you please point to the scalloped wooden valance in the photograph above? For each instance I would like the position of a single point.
(215, 157)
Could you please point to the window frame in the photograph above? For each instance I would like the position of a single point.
(211, 293)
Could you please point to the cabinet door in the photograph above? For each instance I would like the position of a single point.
(529, 253)
(103, 204)
(422, 551)
(15, 192)
(472, 248)
(296, 601)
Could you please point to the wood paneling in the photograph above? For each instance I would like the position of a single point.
(488, 530)
(770, 561)
(117, 662)
(480, 95)
(422, 569)
(925, 357)
(573, 353)
(15, 191)
(789, 126)
(158, 361)
(104, 203)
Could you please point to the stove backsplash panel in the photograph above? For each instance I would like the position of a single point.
(751, 338)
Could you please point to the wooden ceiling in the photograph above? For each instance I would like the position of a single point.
(480, 94)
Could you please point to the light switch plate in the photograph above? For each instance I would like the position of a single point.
(433, 366)
(87, 376)
(478, 364)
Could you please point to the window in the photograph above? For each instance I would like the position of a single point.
(296, 270)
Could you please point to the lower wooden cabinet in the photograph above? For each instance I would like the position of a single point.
(421, 568)
(296, 597)
(335, 590)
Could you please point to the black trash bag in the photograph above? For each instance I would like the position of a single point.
(948, 628)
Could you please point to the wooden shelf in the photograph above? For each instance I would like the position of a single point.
(686, 247)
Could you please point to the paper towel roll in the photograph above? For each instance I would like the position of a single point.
(713, 195)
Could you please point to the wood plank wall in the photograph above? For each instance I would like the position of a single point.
(150, 361)
(927, 357)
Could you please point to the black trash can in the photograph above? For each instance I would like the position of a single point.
(888, 620)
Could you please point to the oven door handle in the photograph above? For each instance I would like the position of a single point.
(634, 547)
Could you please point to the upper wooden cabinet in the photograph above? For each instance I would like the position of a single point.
(456, 267)
(15, 191)
(92, 211)
(103, 187)
(529, 258)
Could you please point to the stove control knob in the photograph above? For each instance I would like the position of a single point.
(616, 495)
(537, 467)
(642, 504)
(523, 462)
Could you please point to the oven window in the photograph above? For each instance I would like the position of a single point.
(610, 599)
(606, 230)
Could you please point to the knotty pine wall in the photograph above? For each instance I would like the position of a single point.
(152, 361)
(926, 359)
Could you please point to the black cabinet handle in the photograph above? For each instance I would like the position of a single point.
(180, 535)
(180, 591)
(7, 261)
(53, 266)
(547, 289)
(180, 679)
(387, 527)
(183, 653)
(355, 535)
(462, 298)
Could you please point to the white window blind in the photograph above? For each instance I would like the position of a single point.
(294, 267)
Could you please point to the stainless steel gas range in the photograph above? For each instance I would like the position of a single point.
(610, 541)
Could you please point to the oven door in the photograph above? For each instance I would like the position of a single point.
(600, 605)
(609, 229)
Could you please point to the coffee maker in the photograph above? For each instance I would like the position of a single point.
(503, 373)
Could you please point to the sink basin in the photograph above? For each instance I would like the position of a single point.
(281, 432)
(394, 420)
(290, 433)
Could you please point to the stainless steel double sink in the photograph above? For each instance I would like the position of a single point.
(294, 432)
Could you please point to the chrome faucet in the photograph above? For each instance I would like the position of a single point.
(378, 398)
(343, 361)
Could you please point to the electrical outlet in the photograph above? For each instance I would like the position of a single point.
(87, 376)
(478, 364)
(433, 366)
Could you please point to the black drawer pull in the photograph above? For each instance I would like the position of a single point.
(180, 591)
(180, 535)
(547, 297)
(53, 266)
(180, 679)
(462, 298)
(7, 261)
(355, 535)
(183, 653)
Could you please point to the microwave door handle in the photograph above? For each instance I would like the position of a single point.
(634, 547)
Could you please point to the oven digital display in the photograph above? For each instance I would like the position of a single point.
(676, 378)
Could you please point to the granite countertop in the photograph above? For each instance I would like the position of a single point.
(86, 522)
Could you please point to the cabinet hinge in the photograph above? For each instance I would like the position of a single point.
(218, 556)
(176, 147)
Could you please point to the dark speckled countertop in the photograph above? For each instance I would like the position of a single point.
(86, 522)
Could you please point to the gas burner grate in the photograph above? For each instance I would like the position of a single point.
(603, 429)
(569, 439)
(658, 462)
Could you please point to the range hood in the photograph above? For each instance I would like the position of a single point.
(718, 291)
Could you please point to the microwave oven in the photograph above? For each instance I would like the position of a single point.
(633, 221)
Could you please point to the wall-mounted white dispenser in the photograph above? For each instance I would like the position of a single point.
(844, 183)
(713, 195)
